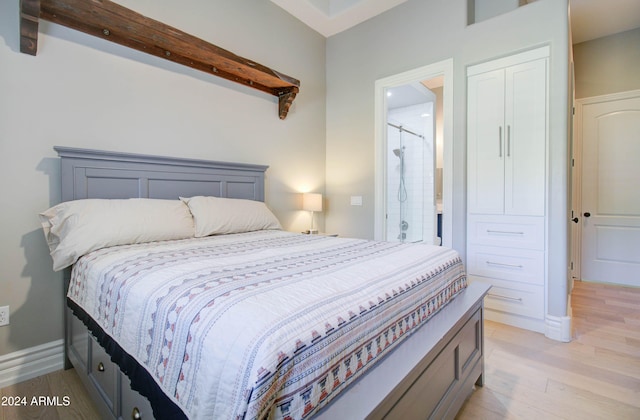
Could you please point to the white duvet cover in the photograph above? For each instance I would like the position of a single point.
(265, 324)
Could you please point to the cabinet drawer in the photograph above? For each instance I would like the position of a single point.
(134, 405)
(521, 265)
(103, 373)
(79, 341)
(507, 231)
(514, 298)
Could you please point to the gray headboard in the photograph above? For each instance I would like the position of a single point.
(100, 174)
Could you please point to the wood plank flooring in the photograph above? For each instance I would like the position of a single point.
(596, 376)
(68, 398)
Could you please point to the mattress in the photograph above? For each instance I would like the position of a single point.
(265, 324)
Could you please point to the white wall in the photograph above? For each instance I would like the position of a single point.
(486, 9)
(81, 91)
(607, 65)
(415, 34)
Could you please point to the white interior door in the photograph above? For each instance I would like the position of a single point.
(611, 190)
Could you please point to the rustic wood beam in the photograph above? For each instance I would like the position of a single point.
(285, 100)
(29, 13)
(110, 21)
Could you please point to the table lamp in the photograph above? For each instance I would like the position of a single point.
(312, 202)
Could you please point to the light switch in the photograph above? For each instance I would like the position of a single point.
(356, 200)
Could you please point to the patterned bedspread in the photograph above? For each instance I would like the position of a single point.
(264, 324)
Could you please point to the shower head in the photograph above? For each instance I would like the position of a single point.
(398, 152)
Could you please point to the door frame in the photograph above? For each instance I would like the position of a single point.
(576, 183)
(440, 69)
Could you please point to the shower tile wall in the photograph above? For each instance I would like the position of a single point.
(418, 180)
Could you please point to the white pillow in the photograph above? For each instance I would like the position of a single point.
(74, 228)
(215, 215)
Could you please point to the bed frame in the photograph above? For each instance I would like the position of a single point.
(430, 375)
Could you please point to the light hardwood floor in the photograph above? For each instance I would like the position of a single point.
(58, 385)
(596, 376)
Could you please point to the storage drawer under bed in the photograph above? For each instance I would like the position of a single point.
(105, 375)
(134, 406)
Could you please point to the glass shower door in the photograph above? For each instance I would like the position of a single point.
(411, 213)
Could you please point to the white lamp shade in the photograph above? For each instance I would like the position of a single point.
(312, 202)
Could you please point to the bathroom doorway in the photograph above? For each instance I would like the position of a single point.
(411, 150)
(413, 155)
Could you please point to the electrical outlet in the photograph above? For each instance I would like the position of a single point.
(4, 315)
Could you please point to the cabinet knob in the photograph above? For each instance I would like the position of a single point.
(100, 367)
(135, 414)
(587, 214)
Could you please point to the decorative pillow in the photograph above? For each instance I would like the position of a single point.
(74, 228)
(215, 215)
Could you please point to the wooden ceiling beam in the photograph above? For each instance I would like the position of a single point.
(108, 20)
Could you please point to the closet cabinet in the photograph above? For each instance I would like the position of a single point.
(507, 172)
(506, 139)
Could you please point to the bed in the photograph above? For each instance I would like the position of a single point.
(330, 327)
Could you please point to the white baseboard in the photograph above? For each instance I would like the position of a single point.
(558, 328)
(531, 324)
(29, 363)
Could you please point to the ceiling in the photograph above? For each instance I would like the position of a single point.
(332, 16)
(590, 19)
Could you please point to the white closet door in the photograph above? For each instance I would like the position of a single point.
(525, 138)
(486, 142)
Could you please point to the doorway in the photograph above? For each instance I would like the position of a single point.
(436, 179)
(606, 203)
(411, 150)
